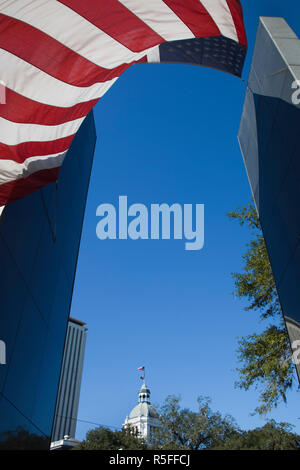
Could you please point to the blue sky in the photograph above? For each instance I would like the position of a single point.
(168, 133)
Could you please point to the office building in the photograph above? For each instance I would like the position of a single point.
(70, 381)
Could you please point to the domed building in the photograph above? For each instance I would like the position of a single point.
(144, 417)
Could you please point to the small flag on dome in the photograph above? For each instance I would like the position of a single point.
(142, 377)
(141, 368)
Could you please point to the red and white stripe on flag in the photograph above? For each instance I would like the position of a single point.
(58, 58)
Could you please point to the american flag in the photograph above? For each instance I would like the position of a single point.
(58, 58)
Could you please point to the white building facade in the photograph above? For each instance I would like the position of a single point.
(144, 417)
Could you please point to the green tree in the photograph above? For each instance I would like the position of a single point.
(103, 438)
(22, 439)
(184, 429)
(204, 429)
(265, 358)
(272, 436)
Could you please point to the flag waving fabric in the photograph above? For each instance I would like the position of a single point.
(59, 57)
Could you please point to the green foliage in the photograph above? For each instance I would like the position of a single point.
(256, 282)
(265, 362)
(204, 429)
(185, 429)
(265, 358)
(272, 436)
(104, 439)
(22, 439)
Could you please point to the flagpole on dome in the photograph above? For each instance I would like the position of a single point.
(143, 375)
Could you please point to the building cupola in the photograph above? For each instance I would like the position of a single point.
(144, 394)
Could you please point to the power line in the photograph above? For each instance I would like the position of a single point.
(88, 422)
